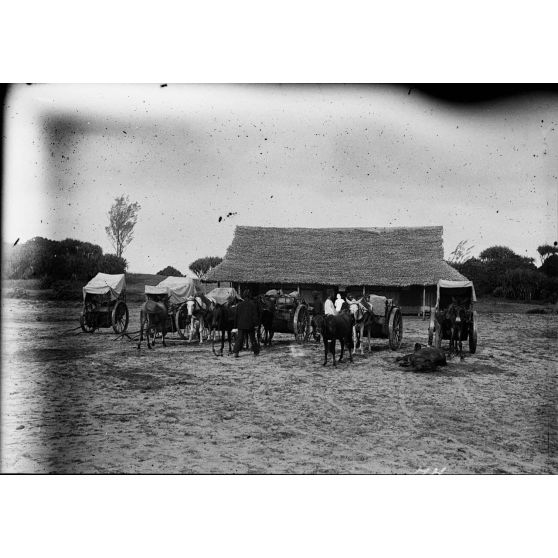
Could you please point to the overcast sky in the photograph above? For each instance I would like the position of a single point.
(287, 156)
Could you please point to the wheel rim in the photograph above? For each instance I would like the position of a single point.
(396, 329)
(300, 323)
(86, 322)
(120, 317)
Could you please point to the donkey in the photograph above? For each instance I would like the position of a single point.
(222, 320)
(363, 317)
(155, 315)
(332, 328)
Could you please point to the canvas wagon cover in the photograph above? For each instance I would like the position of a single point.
(222, 295)
(179, 289)
(378, 304)
(104, 283)
(444, 284)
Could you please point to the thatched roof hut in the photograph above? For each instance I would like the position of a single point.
(390, 257)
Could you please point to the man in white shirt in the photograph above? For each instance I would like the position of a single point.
(329, 307)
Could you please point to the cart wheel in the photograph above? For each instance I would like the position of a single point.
(395, 329)
(120, 317)
(85, 323)
(301, 324)
(473, 335)
(182, 322)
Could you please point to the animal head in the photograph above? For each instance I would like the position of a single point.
(191, 306)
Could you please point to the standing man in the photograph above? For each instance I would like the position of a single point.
(246, 320)
(329, 306)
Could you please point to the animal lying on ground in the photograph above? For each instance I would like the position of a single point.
(154, 315)
(424, 359)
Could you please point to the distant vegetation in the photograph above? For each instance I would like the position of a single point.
(170, 271)
(202, 265)
(54, 260)
(500, 272)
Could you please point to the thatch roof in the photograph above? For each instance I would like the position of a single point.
(399, 256)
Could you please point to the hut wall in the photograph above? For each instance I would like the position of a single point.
(409, 299)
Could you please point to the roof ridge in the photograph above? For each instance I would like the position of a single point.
(332, 229)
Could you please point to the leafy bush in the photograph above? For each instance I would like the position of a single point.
(53, 260)
(111, 263)
(550, 266)
(170, 271)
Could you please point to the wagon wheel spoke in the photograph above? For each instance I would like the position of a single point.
(120, 317)
(395, 329)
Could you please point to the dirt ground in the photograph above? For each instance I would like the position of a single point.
(80, 403)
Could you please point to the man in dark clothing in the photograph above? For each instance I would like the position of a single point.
(317, 304)
(317, 310)
(245, 321)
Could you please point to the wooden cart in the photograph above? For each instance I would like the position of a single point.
(174, 293)
(292, 315)
(448, 292)
(104, 304)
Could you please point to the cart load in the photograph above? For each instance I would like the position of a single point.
(223, 295)
(292, 315)
(104, 303)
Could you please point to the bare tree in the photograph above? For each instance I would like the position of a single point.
(461, 254)
(123, 217)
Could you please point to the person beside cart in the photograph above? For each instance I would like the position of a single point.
(246, 320)
(329, 307)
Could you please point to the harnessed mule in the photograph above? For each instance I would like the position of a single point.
(332, 328)
(454, 322)
(155, 315)
(223, 321)
(266, 312)
(200, 308)
(363, 317)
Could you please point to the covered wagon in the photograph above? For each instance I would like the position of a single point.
(104, 303)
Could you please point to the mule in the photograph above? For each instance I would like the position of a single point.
(155, 315)
(457, 316)
(363, 317)
(199, 308)
(332, 328)
(223, 317)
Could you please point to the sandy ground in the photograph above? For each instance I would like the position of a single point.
(80, 403)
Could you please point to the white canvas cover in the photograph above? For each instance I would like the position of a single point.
(104, 283)
(179, 289)
(446, 284)
(378, 304)
(222, 295)
(155, 290)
